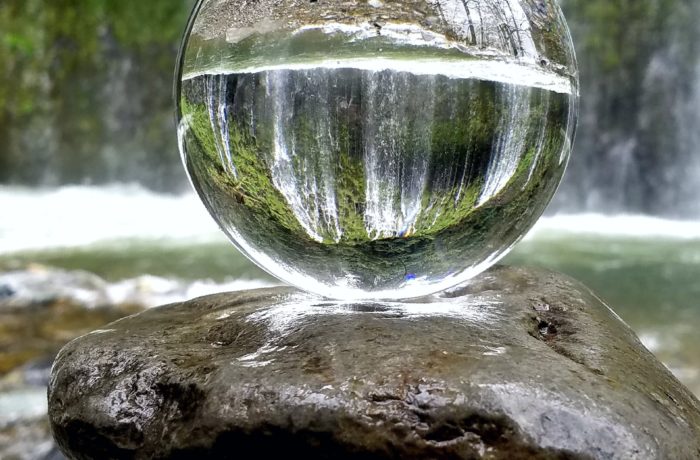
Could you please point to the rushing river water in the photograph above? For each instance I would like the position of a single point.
(158, 248)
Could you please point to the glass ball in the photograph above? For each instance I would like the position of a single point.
(378, 149)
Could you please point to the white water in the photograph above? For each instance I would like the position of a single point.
(395, 182)
(615, 226)
(117, 215)
(311, 195)
(511, 140)
(78, 216)
(501, 71)
(216, 95)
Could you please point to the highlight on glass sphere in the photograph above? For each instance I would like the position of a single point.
(379, 149)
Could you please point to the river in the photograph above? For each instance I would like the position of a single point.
(154, 248)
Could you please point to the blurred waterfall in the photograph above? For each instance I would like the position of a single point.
(638, 144)
(108, 117)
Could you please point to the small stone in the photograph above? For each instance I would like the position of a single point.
(481, 371)
(6, 291)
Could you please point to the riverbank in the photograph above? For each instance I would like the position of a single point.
(84, 256)
(149, 249)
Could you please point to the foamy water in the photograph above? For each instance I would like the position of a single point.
(78, 216)
(618, 226)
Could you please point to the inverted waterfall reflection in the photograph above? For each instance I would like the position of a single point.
(397, 127)
(218, 116)
(511, 139)
(360, 154)
(305, 149)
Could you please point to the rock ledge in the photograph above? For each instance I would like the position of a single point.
(519, 364)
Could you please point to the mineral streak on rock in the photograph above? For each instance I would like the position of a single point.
(520, 363)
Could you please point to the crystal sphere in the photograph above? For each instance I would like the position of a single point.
(376, 149)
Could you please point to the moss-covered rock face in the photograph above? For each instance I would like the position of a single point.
(85, 90)
(376, 160)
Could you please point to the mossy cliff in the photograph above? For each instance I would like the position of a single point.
(85, 96)
(85, 90)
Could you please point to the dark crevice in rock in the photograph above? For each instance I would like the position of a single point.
(185, 399)
(485, 432)
(552, 325)
(88, 441)
(384, 397)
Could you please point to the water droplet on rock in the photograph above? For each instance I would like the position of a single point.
(358, 164)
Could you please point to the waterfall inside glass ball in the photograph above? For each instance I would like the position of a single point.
(376, 150)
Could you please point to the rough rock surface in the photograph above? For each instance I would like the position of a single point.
(519, 364)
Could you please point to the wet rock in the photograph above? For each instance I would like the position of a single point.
(519, 364)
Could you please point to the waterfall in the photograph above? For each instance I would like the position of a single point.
(511, 140)
(397, 142)
(218, 117)
(637, 149)
(396, 122)
(689, 142)
(304, 149)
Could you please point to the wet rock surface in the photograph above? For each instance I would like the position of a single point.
(521, 363)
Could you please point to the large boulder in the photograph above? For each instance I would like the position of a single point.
(518, 364)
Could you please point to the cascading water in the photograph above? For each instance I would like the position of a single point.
(510, 143)
(394, 124)
(218, 117)
(304, 173)
(637, 148)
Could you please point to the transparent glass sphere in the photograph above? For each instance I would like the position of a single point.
(376, 149)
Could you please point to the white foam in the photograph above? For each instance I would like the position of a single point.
(26, 404)
(38, 285)
(150, 290)
(76, 216)
(615, 226)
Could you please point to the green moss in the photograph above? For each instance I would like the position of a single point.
(55, 59)
(252, 184)
(350, 188)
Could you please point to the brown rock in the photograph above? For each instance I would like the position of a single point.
(520, 363)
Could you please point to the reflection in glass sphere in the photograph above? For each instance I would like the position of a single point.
(376, 149)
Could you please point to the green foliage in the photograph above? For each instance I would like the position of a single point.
(137, 23)
(619, 32)
(55, 56)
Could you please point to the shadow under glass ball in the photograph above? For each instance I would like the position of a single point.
(379, 150)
